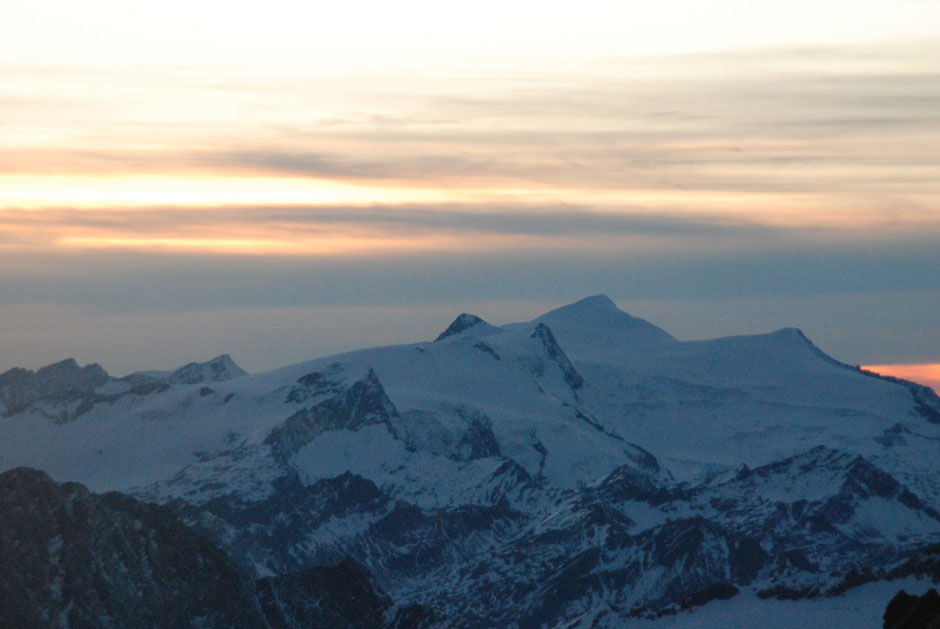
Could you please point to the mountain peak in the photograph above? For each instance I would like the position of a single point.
(795, 338)
(790, 332)
(65, 364)
(594, 307)
(463, 322)
(595, 302)
(20, 388)
(65, 375)
(595, 325)
(218, 369)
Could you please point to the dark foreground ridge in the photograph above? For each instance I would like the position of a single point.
(913, 612)
(69, 557)
(74, 558)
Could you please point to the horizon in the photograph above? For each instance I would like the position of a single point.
(184, 181)
(927, 374)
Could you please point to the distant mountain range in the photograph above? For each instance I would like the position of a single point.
(584, 469)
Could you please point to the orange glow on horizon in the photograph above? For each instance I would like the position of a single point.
(793, 210)
(927, 373)
(329, 245)
(122, 191)
(339, 242)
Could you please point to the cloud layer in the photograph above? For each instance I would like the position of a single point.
(715, 193)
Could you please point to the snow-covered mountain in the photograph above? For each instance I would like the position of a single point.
(584, 467)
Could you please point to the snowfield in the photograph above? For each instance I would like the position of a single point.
(584, 467)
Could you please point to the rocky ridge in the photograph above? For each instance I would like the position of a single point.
(581, 469)
(71, 558)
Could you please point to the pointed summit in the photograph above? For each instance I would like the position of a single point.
(594, 302)
(599, 307)
(218, 369)
(462, 323)
(595, 326)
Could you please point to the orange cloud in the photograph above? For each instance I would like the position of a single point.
(669, 135)
(133, 191)
(366, 229)
(275, 231)
(327, 245)
(928, 373)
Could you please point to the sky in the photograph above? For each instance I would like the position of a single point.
(284, 180)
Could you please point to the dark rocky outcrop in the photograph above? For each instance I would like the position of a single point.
(66, 388)
(479, 441)
(280, 532)
(913, 612)
(69, 557)
(342, 595)
(583, 557)
(923, 563)
(557, 355)
(361, 404)
(461, 323)
(219, 369)
(926, 402)
(415, 616)
(63, 391)
(328, 381)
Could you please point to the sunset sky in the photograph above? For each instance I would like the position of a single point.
(282, 180)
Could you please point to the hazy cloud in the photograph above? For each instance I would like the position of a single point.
(832, 121)
(132, 310)
(790, 187)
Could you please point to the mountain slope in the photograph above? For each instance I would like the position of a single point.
(584, 466)
(73, 558)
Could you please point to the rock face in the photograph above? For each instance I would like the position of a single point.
(73, 558)
(365, 403)
(343, 595)
(219, 369)
(63, 391)
(64, 388)
(460, 324)
(557, 355)
(583, 555)
(913, 612)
